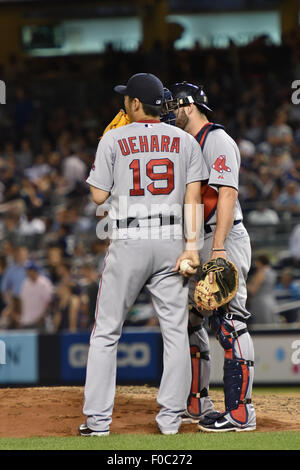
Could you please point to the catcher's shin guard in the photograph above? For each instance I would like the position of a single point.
(199, 402)
(236, 382)
(238, 368)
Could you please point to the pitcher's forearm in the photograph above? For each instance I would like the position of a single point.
(192, 215)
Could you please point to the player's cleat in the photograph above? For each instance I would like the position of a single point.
(223, 425)
(210, 417)
(87, 432)
(189, 418)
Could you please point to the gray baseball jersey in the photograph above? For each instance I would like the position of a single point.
(150, 163)
(222, 157)
(223, 161)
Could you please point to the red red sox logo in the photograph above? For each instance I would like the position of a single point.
(220, 165)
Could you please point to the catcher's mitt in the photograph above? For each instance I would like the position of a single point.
(223, 288)
(121, 119)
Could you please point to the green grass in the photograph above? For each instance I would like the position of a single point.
(288, 440)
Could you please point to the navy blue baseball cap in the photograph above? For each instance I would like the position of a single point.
(31, 265)
(144, 86)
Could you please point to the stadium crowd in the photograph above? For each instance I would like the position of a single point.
(56, 109)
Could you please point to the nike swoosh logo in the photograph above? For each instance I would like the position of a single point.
(219, 425)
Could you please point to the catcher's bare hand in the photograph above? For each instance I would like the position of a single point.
(194, 260)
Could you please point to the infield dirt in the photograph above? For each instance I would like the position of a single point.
(57, 411)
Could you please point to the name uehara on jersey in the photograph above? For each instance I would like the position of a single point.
(149, 143)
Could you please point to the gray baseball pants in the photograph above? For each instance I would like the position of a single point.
(129, 266)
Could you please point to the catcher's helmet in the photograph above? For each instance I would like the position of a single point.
(185, 93)
(167, 113)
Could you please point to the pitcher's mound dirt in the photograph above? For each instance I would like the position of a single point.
(57, 411)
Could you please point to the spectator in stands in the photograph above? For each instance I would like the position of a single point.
(54, 262)
(294, 244)
(10, 226)
(90, 284)
(31, 197)
(81, 255)
(256, 130)
(282, 163)
(39, 169)
(14, 275)
(8, 251)
(45, 188)
(262, 303)
(9, 151)
(288, 202)
(280, 134)
(66, 309)
(249, 195)
(64, 274)
(247, 151)
(54, 160)
(65, 239)
(24, 157)
(265, 182)
(31, 225)
(36, 296)
(263, 215)
(287, 290)
(74, 169)
(294, 172)
(9, 180)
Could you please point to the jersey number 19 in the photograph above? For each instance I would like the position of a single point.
(167, 176)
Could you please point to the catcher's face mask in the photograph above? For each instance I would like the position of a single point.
(167, 114)
(185, 93)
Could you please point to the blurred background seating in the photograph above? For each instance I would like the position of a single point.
(56, 108)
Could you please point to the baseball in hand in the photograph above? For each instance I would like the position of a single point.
(185, 267)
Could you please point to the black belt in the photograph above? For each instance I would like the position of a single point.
(132, 222)
(208, 229)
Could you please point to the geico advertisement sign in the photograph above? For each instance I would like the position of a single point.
(129, 355)
(18, 357)
(277, 359)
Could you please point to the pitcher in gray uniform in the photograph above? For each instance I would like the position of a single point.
(149, 170)
(225, 236)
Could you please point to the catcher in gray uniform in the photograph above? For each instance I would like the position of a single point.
(225, 237)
